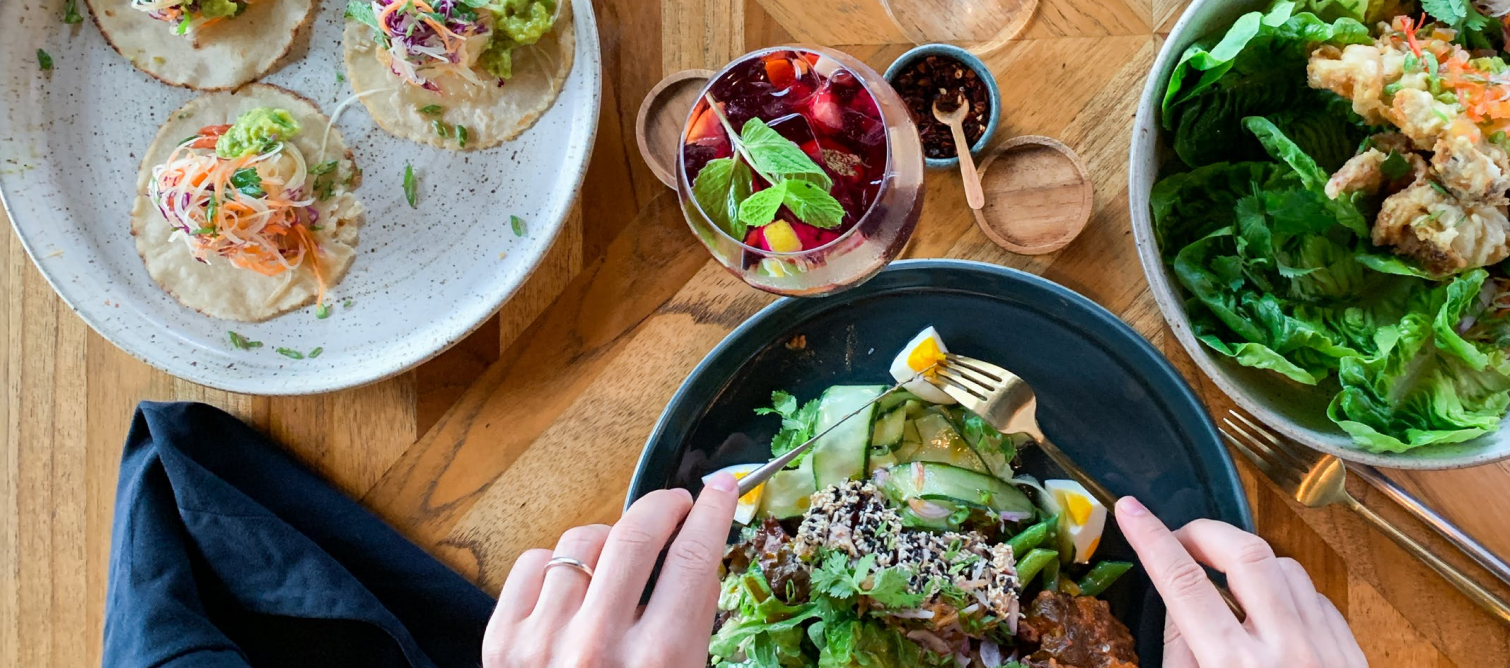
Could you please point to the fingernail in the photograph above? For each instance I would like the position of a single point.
(723, 482)
(1130, 506)
(682, 491)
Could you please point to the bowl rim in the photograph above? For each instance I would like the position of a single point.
(973, 62)
(1142, 175)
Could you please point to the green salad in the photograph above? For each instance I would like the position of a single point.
(905, 538)
(1336, 212)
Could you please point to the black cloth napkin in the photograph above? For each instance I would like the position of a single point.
(226, 552)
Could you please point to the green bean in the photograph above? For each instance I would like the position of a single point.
(1032, 562)
(1101, 576)
(1051, 575)
(1029, 538)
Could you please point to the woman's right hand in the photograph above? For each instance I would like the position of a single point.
(1289, 623)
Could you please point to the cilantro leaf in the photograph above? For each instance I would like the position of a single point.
(891, 587)
(44, 60)
(813, 204)
(720, 188)
(760, 208)
(248, 181)
(361, 12)
(1461, 15)
(797, 422)
(777, 156)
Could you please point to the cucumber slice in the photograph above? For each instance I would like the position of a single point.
(941, 443)
(884, 461)
(787, 494)
(889, 427)
(897, 398)
(960, 485)
(840, 455)
(914, 408)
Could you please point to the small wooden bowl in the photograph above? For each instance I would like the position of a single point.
(663, 116)
(1038, 195)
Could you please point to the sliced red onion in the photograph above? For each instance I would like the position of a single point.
(990, 653)
(880, 476)
(927, 510)
(1014, 609)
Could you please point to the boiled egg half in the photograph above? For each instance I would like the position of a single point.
(923, 351)
(749, 503)
(1081, 517)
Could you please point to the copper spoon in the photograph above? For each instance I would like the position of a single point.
(956, 122)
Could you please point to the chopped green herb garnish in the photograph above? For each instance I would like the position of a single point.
(322, 168)
(431, 110)
(289, 353)
(204, 230)
(349, 301)
(316, 352)
(71, 12)
(1438, 187)
(409, 192)
(243, 343)
(44, 61)
(461, 136)
(518, 224)
(322, 311)
(440, 128)
(248, 181)
(340, 78)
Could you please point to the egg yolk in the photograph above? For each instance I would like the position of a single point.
(925, 355)
(753, 495)
(1079, 507)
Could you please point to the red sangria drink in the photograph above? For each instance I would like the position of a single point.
(801, 170)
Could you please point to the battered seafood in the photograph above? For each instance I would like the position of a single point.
(1452, 109)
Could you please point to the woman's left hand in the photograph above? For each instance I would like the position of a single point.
(559, 615)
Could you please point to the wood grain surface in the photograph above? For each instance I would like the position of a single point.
(534, 423)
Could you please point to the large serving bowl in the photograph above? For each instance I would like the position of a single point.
(1295, 410)
(1106, 397)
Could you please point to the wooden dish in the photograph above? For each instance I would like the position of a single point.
(658, 127)
(1038, 198)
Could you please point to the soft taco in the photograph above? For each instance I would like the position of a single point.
(201, 44)
(244, 207)
(458, 74)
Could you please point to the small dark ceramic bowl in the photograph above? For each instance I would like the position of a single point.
(1106, 396)
(974, 63)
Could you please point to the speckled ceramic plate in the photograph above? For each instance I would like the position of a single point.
(71, 140)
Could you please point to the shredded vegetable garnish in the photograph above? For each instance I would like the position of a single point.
(243, 343)
(410, 189)
(187, 16)
(518, 224)
(254, 211)
(421, 39)
(44, 60)
(289, 353)
(71, 12)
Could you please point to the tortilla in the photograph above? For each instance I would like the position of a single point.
(220, 56)
(491, 114)
(218, 288)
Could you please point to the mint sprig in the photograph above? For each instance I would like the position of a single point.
(725, 186)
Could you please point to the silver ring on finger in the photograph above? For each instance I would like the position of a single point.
(569, 562)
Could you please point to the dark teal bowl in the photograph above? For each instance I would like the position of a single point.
(974, 63)
(1106, 396)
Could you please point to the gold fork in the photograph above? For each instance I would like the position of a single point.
(1007, 403)
(1317, 480)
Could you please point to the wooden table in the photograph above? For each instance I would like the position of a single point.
(534, 423)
